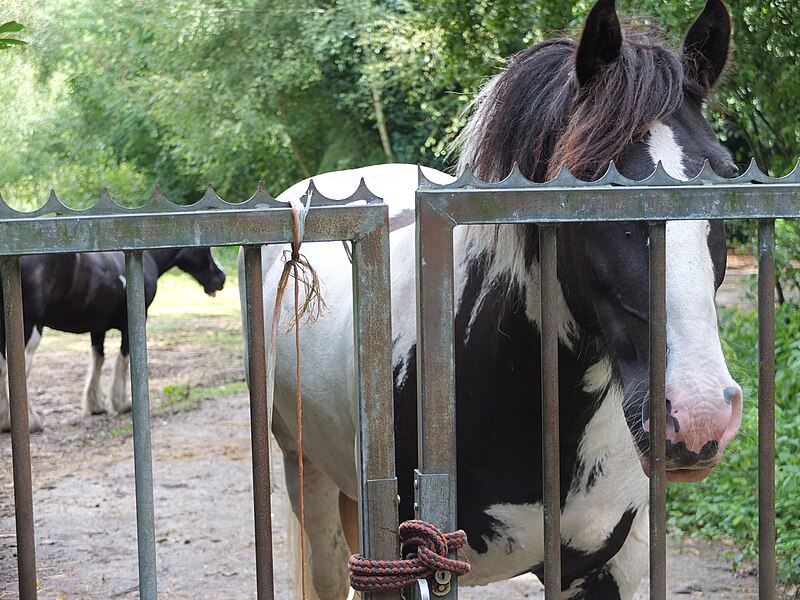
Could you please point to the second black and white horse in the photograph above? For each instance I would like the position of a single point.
(617, 94)
(85, 293)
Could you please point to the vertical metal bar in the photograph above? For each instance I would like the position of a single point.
(20, 439)
(373, 337)
(436, 418)
(658, 410)
(259, 428)
(550, 417)
(142, 452)
(766, 410)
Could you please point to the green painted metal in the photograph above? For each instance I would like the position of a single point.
(20, 440)
(108, 226)
(140, 408)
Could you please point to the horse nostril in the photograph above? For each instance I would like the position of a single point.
(680, 454)
(710, 450)
(729, 393)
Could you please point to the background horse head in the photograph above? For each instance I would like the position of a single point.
(85, 293)
(197, 262)
(621, 95)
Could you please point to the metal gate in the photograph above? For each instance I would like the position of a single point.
(613, 197)
(211, 221)
(261, 220)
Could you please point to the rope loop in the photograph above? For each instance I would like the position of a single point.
(425, 548)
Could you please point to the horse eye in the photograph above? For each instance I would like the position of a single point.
(627, 234)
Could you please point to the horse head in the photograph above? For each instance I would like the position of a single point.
(704, 403)
(620, 94)
(200, 264)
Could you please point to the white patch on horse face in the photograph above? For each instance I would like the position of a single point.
(662, 147)
(123, 280)
(696, 370)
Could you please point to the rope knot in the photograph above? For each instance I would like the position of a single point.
(425, 548)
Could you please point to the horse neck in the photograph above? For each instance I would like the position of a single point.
(164, 258)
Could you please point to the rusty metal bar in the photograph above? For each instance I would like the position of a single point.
(766, 410)
(44, 235)
(658, 410)
(20, 438)
(543, 204)
(142, 451)
(259, 427)
(550, 411)
(436, 419)
(373, 360)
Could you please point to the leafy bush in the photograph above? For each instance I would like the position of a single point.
(725, 505)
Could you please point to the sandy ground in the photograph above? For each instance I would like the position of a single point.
(84, 491)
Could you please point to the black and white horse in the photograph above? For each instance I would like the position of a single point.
(85, 293)
(617, 94)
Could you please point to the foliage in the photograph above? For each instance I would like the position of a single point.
(7, 42)
(725, 504)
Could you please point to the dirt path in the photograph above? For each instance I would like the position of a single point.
(84, 491)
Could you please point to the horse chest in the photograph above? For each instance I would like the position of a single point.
(607, 490)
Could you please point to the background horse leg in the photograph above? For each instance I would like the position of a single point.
(325, 539)
(93, 401)
(5, 407)
(120, 381)
(34, 336)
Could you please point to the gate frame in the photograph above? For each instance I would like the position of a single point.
(657, 199)
(211, 221)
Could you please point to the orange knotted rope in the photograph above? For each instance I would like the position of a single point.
(425, 547)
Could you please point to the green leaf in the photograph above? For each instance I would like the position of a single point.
(8, 42)
(11, 27)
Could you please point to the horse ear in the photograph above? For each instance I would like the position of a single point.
(601, 41)
(705, 49)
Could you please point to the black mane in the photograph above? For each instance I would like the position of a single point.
(536, 114)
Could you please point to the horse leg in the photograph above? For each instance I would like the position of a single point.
(34, 421)
(328, 551)
(33, 337)
(120, 381)
(5, 407)
(93, 401)
(348, 512)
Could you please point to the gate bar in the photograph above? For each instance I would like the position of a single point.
(20, 438)
(550, 411)
(436, 403)
(142, 451)
(259, 428)
(658, 410)
(378, 518)
(766, 410)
